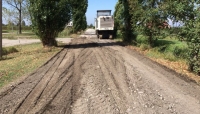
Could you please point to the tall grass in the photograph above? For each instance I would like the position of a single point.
(168, 48)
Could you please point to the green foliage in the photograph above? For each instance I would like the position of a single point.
(150, 23)
(79, 8)
(188, 13)
(91, 26)
(49, 18)
(192, 34)
(118, 17)
(16, 13)
(170, 49)
(147, 16)
(9, 50)
(180, 51)
(118, 34)
(141, 39)
(123, 21)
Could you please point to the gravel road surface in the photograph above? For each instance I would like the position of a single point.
(91, 76)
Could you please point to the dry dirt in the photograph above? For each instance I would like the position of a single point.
(92, 76)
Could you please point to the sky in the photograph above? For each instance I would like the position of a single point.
(94, 5)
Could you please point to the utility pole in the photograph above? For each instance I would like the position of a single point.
(1, 50)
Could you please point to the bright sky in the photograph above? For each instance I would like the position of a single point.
(94, 5)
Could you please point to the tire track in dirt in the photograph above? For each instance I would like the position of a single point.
(12, 97)
(95, 97)
(32, 99)
(121, 83)
(68, 91)
(155, 90)
(98, 78)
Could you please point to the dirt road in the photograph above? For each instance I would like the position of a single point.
(92, 76)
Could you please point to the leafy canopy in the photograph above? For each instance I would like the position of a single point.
(49, 17)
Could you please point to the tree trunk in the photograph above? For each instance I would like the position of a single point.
(1, 50)
(20, 18)
(151, 43)
(49, 42)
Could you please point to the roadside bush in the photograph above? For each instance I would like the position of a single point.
(181, 51)
(141, 39)
(119, 34)
(144, 47)
(177, 50)
(9, 50)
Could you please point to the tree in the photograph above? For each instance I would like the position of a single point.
(49, 18)
(189, 13)
(79, 8)
(148, 18)
(20, 6)
(118, 17)
(127, 31)
(9, 16)
(91, 25)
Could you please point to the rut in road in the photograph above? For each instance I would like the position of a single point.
(88, 77)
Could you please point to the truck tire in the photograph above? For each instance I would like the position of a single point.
(100, 36)
(110, 36)
(97, 33)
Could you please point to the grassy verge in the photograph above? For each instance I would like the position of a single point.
(169, 52)
(23, 61)
(14, 35)
(28, 34)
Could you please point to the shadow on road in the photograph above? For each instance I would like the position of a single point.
(92, 45)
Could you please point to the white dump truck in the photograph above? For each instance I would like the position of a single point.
(104, 24)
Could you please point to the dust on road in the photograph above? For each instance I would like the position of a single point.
(92, 76)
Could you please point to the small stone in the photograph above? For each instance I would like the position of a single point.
(140, 92)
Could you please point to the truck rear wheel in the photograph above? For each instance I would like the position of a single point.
(100, 36)
(97, 33)
(110, 36)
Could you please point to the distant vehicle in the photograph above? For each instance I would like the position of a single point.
(70, 24)
(104, 24)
